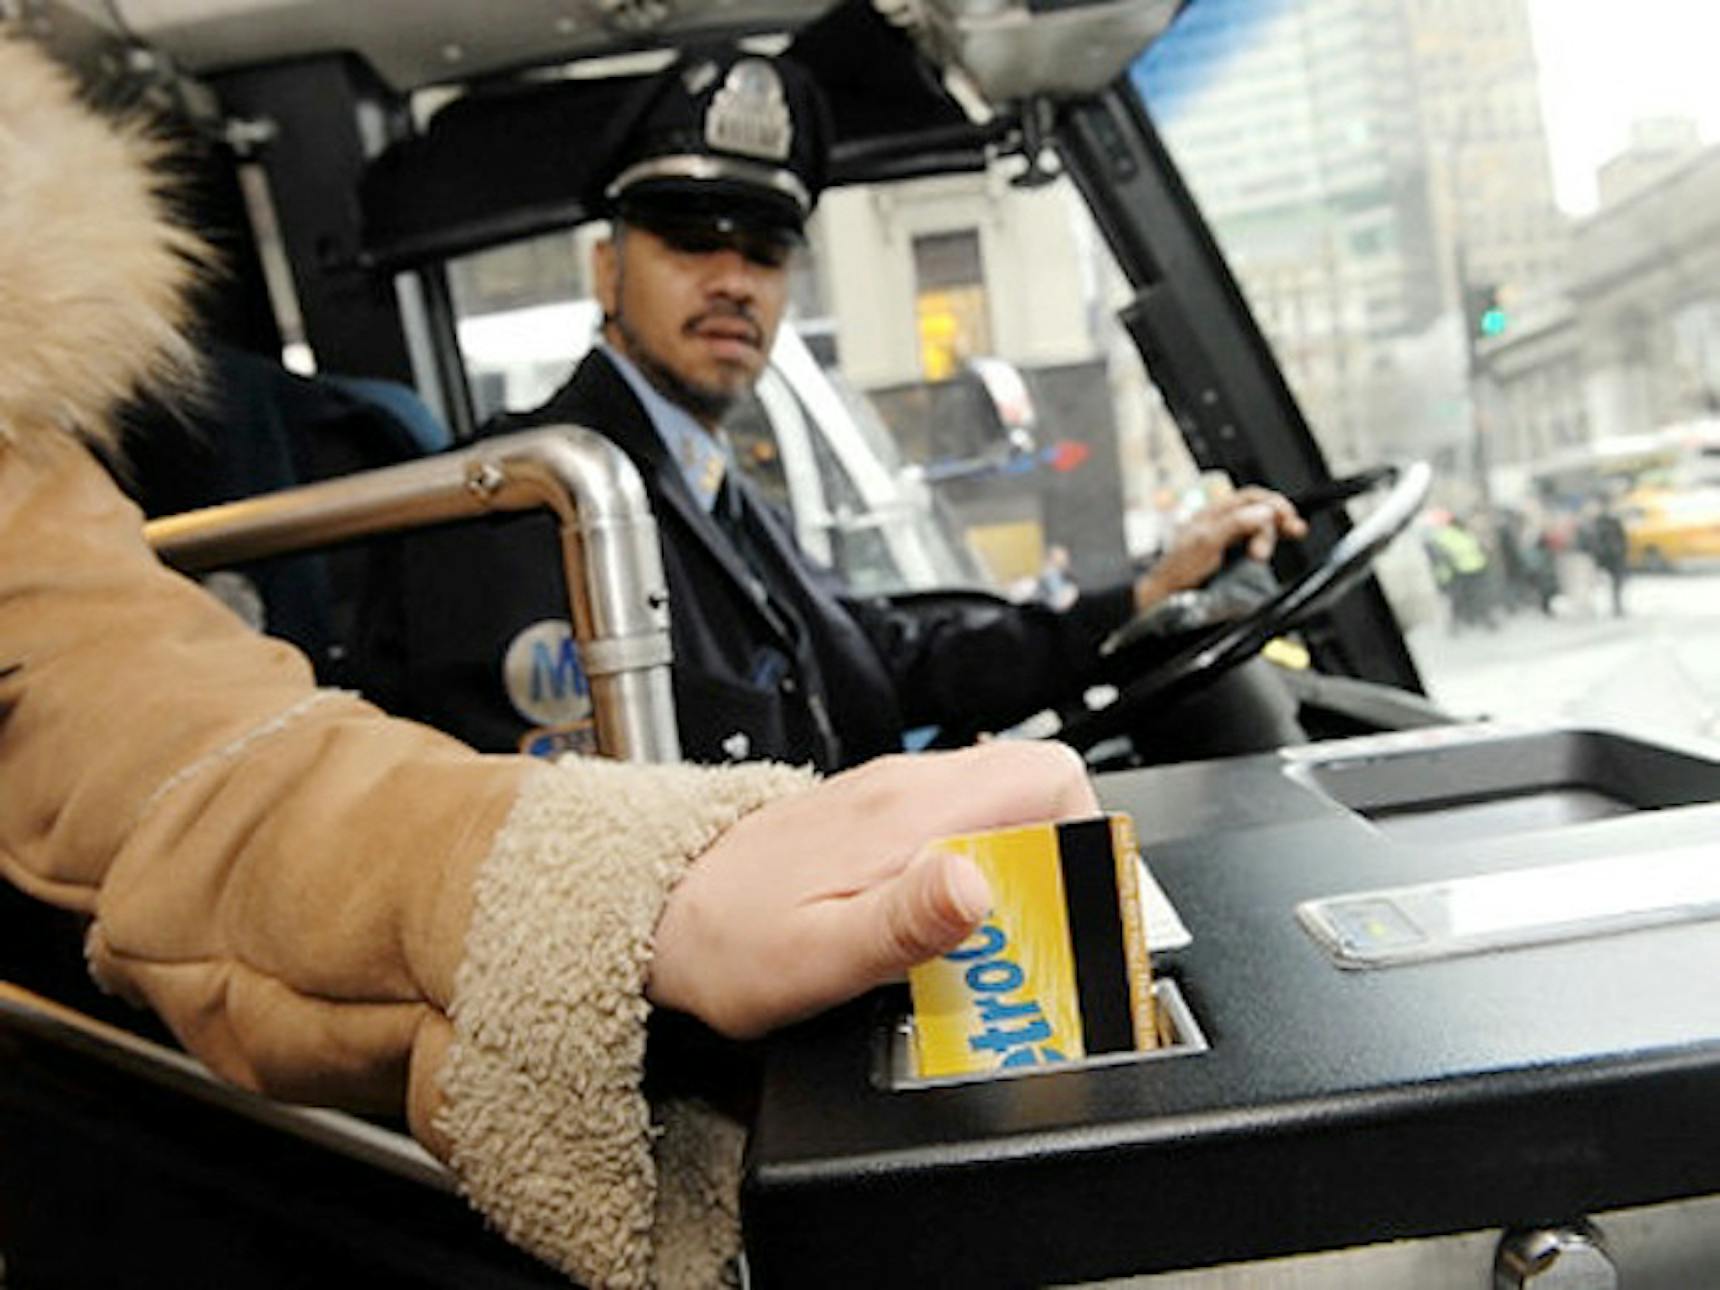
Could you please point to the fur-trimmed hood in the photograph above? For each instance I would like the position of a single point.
(93, 273)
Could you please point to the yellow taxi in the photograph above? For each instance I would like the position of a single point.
(1666, 527)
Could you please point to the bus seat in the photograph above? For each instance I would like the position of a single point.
(404, 405)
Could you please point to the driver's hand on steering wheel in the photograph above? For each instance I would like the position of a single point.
(1255, 516)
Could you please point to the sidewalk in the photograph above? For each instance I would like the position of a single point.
(1657, 670)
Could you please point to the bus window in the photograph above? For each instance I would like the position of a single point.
(1477, 232)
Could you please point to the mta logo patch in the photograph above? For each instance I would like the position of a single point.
(544, 680)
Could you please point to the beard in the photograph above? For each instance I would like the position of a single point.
(707, 403)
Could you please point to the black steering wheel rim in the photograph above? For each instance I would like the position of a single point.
(1345, 564)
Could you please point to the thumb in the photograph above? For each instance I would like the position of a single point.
(928, 909)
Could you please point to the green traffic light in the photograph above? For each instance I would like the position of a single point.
(1493, 322)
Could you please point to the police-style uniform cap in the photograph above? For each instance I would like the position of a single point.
(723, 139)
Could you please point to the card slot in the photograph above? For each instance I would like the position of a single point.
(895, 1067)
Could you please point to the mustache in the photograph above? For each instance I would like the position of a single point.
(728, 310)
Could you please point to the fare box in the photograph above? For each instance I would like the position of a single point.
(1058, 970)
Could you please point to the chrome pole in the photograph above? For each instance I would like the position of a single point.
(610, 553)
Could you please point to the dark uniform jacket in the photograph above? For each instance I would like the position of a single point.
(772, 658)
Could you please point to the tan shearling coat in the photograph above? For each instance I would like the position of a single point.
(323, 903)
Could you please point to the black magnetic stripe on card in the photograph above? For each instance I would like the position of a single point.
(1096, 932)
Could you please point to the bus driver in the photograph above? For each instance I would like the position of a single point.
(720, 161)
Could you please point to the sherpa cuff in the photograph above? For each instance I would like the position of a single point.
(551, 1136)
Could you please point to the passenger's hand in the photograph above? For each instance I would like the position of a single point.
(1255, 516)
(818, 897)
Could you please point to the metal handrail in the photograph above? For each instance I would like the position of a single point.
(610, 553)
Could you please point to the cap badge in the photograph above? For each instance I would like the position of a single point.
(749, 114)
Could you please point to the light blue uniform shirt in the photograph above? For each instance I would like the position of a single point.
(702, 457)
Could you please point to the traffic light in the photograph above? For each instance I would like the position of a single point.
(1483, 311)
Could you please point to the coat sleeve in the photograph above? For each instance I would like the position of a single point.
(326, 904)
(975, 662)
(985, 664)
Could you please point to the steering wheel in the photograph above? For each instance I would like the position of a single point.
(1240, 639)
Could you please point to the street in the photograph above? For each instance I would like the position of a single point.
(1656, 671)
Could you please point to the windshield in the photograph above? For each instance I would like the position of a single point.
(1479, 232)
(1474, 232)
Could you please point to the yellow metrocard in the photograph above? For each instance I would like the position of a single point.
(1057, 971)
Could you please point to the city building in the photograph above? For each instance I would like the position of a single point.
(1368, 165)
(1645, 280)
(936, 278)
(1633, 346)
(1657, 146)
(1489, 168)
